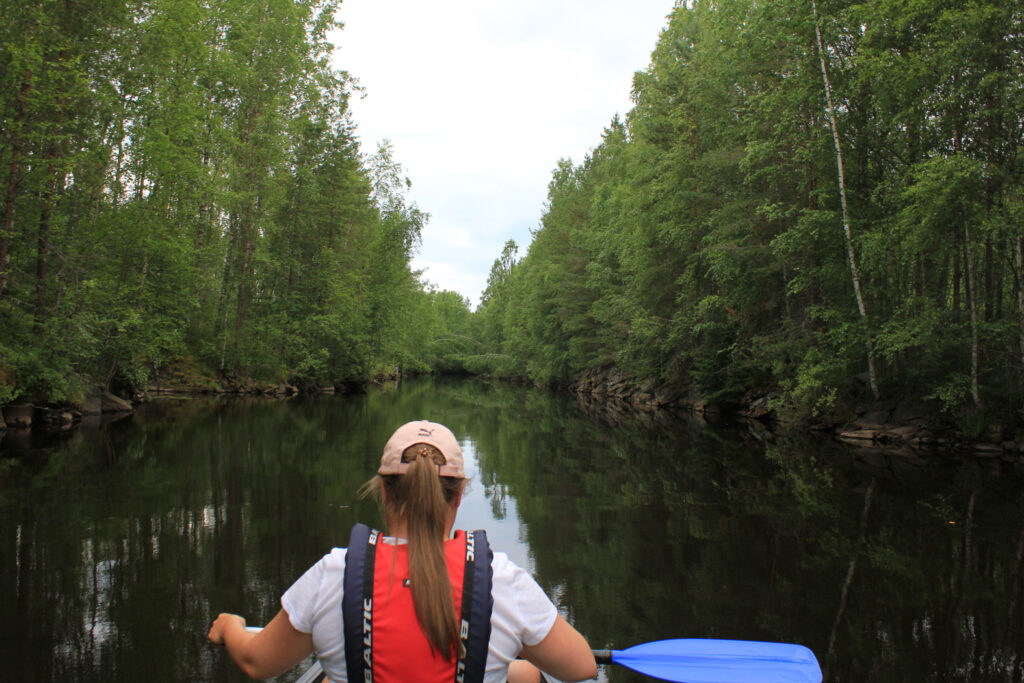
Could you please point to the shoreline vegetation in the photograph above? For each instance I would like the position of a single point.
(812, 215)
(887, 427)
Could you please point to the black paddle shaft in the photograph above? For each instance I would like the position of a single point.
(603, 656)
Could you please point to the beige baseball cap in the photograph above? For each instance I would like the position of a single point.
(422, 431)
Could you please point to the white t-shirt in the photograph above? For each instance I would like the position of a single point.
(522, 613)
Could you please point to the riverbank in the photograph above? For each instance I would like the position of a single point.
(27, 415)
(911, 428)
(892, 425)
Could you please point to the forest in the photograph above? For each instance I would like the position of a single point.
(815, 201)
(183, 187)
(818, 202)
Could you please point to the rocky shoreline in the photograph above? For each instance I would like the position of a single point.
(888, 426)
(885, 426)
(31, 415)
(28, 415)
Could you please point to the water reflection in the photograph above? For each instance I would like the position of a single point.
(119, 545)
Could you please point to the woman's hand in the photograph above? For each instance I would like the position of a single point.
(221, 625)
(262, 653)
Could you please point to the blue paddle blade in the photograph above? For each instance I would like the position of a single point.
(698, 660)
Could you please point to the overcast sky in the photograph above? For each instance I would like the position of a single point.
(480, 100)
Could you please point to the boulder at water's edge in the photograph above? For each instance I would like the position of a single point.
(112, 404)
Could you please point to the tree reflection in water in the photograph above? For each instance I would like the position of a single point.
(121, 544)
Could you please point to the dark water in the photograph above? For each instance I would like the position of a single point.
(120, 544)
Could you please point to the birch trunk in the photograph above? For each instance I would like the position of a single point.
(972, 300)
(851, 257)
(43, 243)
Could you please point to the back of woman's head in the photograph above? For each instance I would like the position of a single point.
(422, 498)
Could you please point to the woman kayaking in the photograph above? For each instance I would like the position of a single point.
(421, 604)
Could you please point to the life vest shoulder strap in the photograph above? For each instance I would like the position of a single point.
(477, 603)
(357, 606)
(357, 601)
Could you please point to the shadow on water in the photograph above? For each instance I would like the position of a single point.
(121, 544)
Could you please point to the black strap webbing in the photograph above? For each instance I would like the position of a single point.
(357, 603)
(477, 602)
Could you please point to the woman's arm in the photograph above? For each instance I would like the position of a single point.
(271, 652)
(564, 653)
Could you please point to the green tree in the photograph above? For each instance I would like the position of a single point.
(697, 244)
(182, 184)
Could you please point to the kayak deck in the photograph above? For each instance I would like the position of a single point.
(314, 674)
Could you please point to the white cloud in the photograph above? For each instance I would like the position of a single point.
(481, 99)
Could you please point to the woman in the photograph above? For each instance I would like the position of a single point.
(419, 604)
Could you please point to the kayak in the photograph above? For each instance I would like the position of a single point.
(314, 674)
(693, 660)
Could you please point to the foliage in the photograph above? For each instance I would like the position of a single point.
(701, 243)
(183, 180)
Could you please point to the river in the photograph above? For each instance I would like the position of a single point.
(121, 542)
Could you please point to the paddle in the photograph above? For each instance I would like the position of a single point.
(697, 660)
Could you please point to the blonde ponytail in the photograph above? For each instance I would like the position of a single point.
(422, 498)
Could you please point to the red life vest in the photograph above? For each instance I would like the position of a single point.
(383, 640)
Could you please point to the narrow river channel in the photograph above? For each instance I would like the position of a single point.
(120, 543)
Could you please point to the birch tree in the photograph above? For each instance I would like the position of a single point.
(850, 254)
